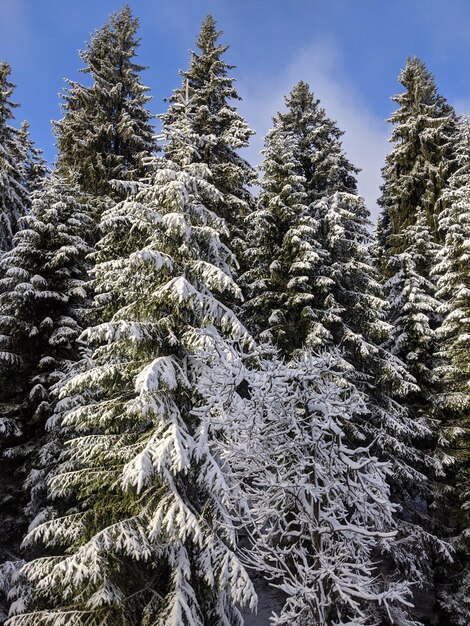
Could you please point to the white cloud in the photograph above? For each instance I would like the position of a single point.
(320, 65)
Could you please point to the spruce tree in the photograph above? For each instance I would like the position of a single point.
(285, 258)
(41, 296)
(413, 311)
(342, 304)
(452, 274)
(356, 315)
(324, 164)
(39, 291)
(288, 281)
(34, 165)
(149, 539)
(416, 172)
(453, 367)
(14, 199)
(205, 101)
(106, 132)
(421, 161)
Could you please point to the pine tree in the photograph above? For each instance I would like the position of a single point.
(421, 160)
(416, 171)
(35, 167)
(41, 295)
(205, 99)
(453, 280)
(284, 255)
(288, 280)
(14, 200)
(344, 309)
(413, 306)
(356, 316)
(324, 165)
(149, 539)
(453, 366)
(106, 133)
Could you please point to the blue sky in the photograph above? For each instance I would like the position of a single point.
(350, 51)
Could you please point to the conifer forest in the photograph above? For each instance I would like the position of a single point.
(221, 383)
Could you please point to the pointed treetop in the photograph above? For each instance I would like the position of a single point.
(203, 108)
(208, 35)
(422, 159)
(6, 89)
(418, 80)
(207, 70)
(117, 39)
(106, 132)
(325, 165)
(421, 98)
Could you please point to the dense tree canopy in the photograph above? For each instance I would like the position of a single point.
(208, 379)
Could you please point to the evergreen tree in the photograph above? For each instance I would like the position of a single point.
(149, 539)
(285, 257)
(452, 271)
(106, 133)
(413, 307)
(41, 295)
(14, 200)
(289, 279)
(416, 171)
(421, 160)
(324, 165)
(356, 316)
(341, 303)
(315, 507)
(205, 102)
(35, 167)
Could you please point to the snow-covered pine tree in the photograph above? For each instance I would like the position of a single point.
(347, 312)
(421, 161)
(35, 169)
(210, 93)
(357, 319)
(355, 313)
(417, 170)
(149, 540)
(324, 164)
(333, 232)
(413, 307)
(452, 272)
(106, 131)
(41, 296)
(316, 508)
(14, 199)
(286, 276)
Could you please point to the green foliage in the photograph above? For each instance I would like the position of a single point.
(452, 272)
(204, 101)
(14, 151)
(413, 311)
(324, 165)
(286, 260)
(150, 538)
(421, 161)
(106, 133)
(42, 294)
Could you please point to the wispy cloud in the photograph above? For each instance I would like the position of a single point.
(366, 134)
